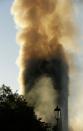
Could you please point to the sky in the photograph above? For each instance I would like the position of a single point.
(8, 47)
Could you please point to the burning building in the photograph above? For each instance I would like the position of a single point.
(45, 29)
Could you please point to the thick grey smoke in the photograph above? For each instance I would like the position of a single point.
(41, 98)
(46, 36)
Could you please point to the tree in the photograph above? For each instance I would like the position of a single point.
(15, 114)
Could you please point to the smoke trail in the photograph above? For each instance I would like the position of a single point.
(45, 31)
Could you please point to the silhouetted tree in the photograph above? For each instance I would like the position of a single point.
(15, 114)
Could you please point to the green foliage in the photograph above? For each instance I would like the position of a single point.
(16, 114)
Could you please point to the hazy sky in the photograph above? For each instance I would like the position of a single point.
(8, 47)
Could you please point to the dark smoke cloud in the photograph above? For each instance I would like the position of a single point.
(45, 35)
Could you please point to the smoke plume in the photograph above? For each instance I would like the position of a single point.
(46, 31)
